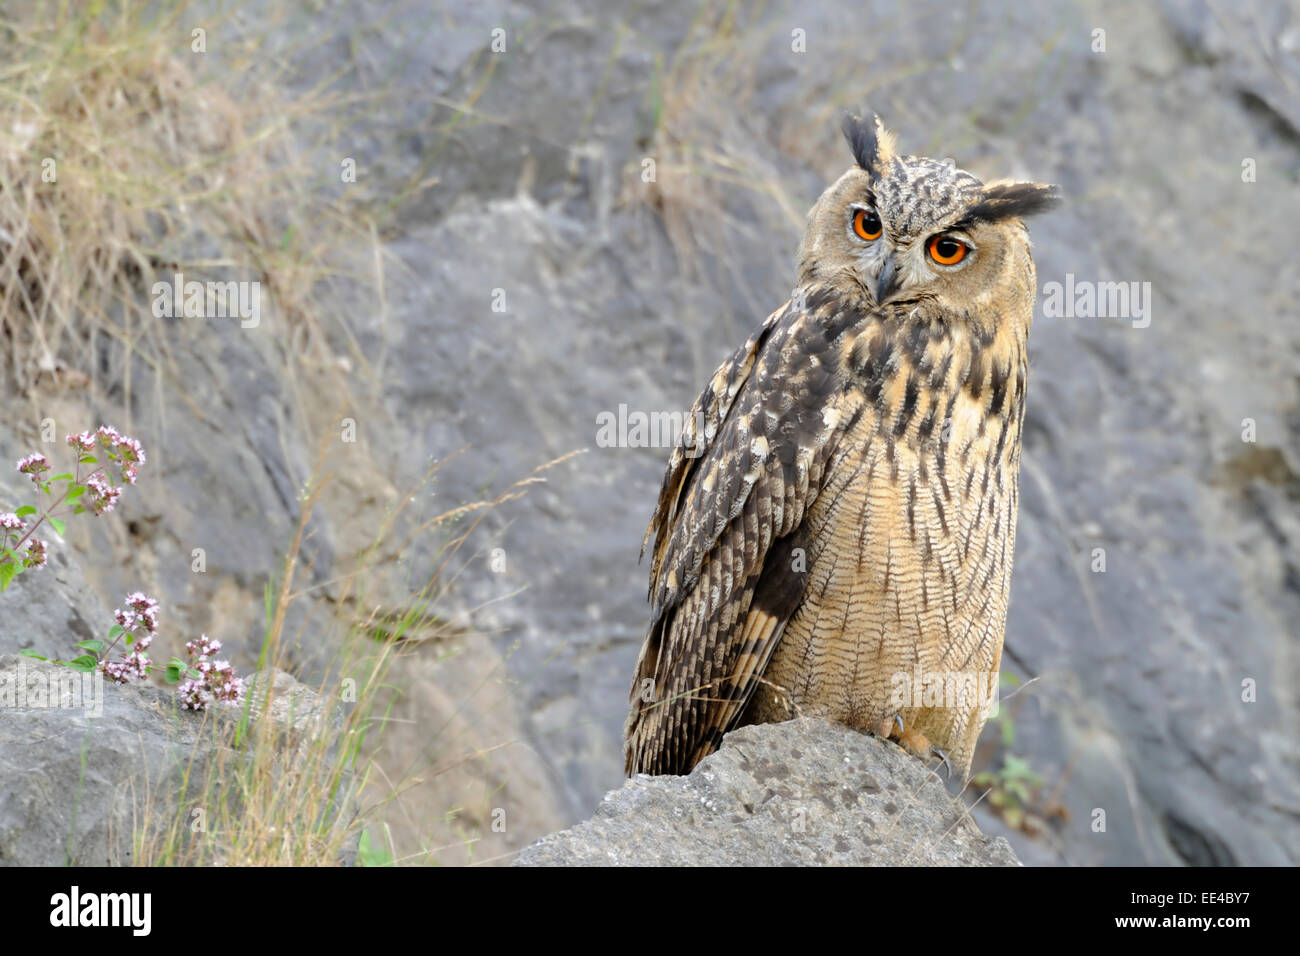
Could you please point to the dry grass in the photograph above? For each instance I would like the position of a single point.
(298, 788)
(126, 157)
(702, 142)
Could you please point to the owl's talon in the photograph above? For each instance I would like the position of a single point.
(886, 729)
(947, 765)
(914, 742)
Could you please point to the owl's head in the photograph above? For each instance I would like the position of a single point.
(910, 228)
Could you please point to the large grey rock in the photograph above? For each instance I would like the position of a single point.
(801, 793)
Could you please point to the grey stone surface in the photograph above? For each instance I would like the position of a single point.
(801, 793)
(49, 609)
(82, 782)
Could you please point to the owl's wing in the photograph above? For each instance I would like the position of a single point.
(723, 580)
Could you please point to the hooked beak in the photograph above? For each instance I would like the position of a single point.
(887, 284)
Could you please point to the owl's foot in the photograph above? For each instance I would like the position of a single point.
(947, 765)
(887, 730)
(911, 740)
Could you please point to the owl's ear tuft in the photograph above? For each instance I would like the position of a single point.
(1007, 199)
(872, 144)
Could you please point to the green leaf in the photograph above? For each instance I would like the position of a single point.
(66, 476)
(175, 670)
(76, 491)
(25, 510)
(85, 663)
(79, 510)
(370, 855)
(8, 571)
(115, 630)
(58, 525)
(92, 644)
(88, 460)
(28, 652)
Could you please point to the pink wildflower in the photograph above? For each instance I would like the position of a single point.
(35, 556)
(103, 495)
(133, 666)
(33, 465)
(126, 451)
(84, 443)
(217, 680)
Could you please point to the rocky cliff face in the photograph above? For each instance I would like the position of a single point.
(542, 284)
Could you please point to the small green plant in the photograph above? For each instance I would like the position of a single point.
(107, 461)
(204, 680)
(136, 625)
(1014, 788)
(369, 854)
(90, 487)
(1011, 789)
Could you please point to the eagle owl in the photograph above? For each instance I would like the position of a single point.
(834, 533)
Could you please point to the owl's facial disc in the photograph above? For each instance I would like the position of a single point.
(909, 228)
(889, 266)
(915, 265)
(872, 248)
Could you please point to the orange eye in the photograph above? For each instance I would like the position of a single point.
(947, 251)
(866, 224)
